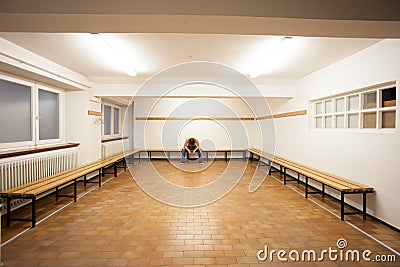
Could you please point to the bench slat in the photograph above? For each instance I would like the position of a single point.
(347, 181)
(333, 181)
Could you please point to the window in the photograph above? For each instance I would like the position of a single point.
(371, 108)
(328, 106)
(353, 102)
(107, 120)
(369, 100)
(318, 108)
(339, 123)
(116, 120)
(328, 122)
(112, 119)
(31, 114)
(353, 121)
(339, 104)
(15, 112)
(387, 107)
(48, 115)
(369, 120)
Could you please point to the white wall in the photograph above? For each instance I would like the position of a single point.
(371, 158)
(171, 134)
(81, 127)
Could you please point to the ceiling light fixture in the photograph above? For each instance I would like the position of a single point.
(275, 56)
(118, 60)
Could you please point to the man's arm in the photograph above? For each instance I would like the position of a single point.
(186, 144)
(197, 144)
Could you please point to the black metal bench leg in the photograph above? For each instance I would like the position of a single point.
(323, 190)
(99, 177)
(57, 194)
(33, 212)
(284, 175)
(8, 217)
(306, 187)
(84, 180)
(298, 178)
(342, 206)
(115, 169)
(75, 190)
(364, 205)
(269, 167)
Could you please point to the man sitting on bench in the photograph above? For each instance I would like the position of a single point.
(191, 146)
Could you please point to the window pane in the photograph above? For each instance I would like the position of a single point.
(328, 122)
(369, 120)
(340, 104)
(15, 112)
(107, 120)
(389, 97)
(369, 100)
(48, 115)
(353, 102)
(353, 121)
(340, 121)
(318, 122)
(389, 119)
(116, 120)
(328, 106)
(318, 108)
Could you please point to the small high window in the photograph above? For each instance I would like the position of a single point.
(371, 108)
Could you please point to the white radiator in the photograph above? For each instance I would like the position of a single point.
(111, 148)
(20, 170)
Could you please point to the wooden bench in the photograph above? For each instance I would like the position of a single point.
(205, 152)
(34, 189)
(344, 186)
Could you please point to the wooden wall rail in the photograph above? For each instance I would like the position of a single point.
(194, 119)
(284, 115)
(274, 116)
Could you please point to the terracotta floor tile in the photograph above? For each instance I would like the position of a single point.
(204, 260)
(120, 225)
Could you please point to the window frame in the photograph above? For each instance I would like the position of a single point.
(360, 111)
(35, 142)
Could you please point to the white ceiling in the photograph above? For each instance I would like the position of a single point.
(152, 52)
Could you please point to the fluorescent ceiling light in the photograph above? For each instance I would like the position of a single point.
(277, 55)
(105, 48)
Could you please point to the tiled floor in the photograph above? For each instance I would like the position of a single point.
(120, 225)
